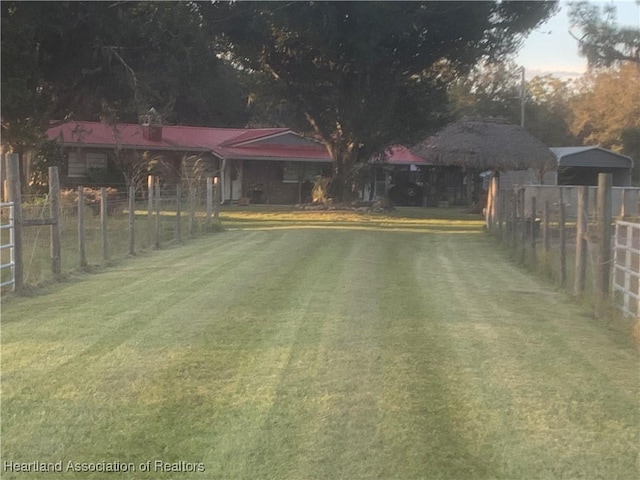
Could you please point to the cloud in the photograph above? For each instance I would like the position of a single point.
(562, 74)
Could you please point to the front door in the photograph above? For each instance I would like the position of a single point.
(232, 180)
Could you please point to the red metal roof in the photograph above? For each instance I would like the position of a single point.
(250, 135)
(400, 155)
(240, 143)
(311, 153)
(130, 136)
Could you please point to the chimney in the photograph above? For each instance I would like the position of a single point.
(152, 126)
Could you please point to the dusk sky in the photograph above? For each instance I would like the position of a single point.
(551, 49)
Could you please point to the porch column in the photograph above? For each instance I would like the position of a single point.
(387, 181)
(223, 180)
(469, 180)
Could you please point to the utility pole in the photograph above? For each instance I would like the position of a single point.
(522, 97)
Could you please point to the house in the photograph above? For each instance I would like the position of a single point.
(269, 165)
(266, 165)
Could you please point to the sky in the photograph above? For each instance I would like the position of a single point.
(551, 49)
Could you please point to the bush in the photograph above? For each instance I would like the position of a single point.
(320, 190)
(92, 199)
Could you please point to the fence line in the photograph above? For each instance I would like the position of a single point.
(626, 267)
(87, 227)
(583, 242)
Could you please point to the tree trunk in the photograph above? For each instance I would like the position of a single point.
(339, 182)
(344, 154)
(344, 160)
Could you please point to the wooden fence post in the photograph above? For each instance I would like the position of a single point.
(523, 224)
(150, 195)
(501, 205)
(209, 181)
(514, 219)
(563, 245)
(56, 227)
(15, 195)
(506, 202)
(217, 198)
(497, 204)
(157, 205)
(132, 219)
(4, 178)
(546, 229)
(192, 209)
(604, 234)
(491, 202)
(81, 240)
(532, 233)
(508, 225)
(103, 223)
(581, 241)
(178, 235)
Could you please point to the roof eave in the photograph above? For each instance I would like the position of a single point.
(275, 159)
(136, 147)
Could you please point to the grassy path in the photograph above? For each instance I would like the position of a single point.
(320, 353)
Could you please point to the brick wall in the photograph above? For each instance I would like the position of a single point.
(266, 177)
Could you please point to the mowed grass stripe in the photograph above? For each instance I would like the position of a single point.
(301, 353)
(535, 360)
(163, 326)
(134, 304)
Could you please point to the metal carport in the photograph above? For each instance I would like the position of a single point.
(581, 166)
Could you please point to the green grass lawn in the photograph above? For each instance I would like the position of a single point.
(392, 347)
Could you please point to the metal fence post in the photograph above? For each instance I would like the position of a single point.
(15, 196)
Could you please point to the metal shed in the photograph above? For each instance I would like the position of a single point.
(581, 166)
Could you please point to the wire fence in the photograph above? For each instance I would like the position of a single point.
(579, 251)
(99, 227)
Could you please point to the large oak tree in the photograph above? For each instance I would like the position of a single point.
(111, 61)
(365, 75)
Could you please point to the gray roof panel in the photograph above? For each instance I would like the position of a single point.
(590, 157)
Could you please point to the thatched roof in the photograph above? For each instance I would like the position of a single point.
(486, 144)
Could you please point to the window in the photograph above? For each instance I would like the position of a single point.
(96, 161)
(92, 161)
(76, 168)
(294, 172)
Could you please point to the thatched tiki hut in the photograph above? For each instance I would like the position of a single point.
(470, 151)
